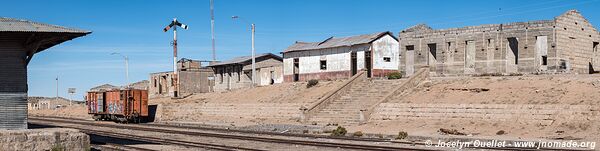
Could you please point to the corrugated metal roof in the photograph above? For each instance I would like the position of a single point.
(242, 59)
(16, 25)
(337, 42)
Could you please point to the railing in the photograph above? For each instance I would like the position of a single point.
(333, 95)
(413, 81)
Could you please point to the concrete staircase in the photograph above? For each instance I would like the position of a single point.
(346, 109)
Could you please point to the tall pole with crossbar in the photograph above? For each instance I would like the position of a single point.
(175, 77)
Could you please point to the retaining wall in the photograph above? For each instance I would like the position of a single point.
(543, 114)
(44, 139)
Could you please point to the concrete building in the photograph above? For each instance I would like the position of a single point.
(19, 41)
(237, 72)
(568, 43)
(343, 57)
(193, 78)
(41, 103)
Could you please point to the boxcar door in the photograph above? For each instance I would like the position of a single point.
(100, 103)
(144, 102)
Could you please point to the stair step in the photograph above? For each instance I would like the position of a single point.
(346, 109)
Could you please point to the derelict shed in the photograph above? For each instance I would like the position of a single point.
(19, 41)
(335, 58)
(237, 72)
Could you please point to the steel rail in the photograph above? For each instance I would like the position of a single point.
(245, 137)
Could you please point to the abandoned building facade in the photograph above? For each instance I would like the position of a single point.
(237, 72)
(20, 40)
(336, 58)
(567, 44)
(193, 78)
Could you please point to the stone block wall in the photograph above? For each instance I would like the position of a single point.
(564, 44)
(44, 139)
(532, 113)
(576, 37)
(498, 48)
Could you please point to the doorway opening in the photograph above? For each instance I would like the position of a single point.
(353, 63)
(513, 44)
(433, 51)
(296, 69)
(368, 63)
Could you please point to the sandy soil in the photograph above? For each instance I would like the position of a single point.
(278, 93)
(542, 89)
(285, 93)
(75, 111)
(586, 130)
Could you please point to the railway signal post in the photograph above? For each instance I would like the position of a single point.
(175, 76)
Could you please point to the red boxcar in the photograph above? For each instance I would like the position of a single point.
(128, 105)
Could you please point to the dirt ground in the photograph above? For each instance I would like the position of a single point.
(75, 111)
(278, 93)
(532, 89)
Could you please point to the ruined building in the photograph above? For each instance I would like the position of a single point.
(568, 43)
(20, 40)
(343, 57)
(237, 72)
(193, 78)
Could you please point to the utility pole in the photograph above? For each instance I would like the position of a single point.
(50, 103)
(126, 67)
(57, 87)
(212, 29)
(175, 76)
(252, 25)
(253, 58)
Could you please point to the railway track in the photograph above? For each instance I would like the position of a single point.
(164, 141)
(110, 146)
(414, 145)
(221, 135)
(158, 140)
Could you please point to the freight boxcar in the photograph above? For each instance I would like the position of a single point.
(125, 105)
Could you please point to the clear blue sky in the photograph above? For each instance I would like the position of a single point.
(134, 28)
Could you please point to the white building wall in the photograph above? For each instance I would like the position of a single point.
(309, 64)
(360, 60)
(337, 62)
(288, 66)
(386, 46)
